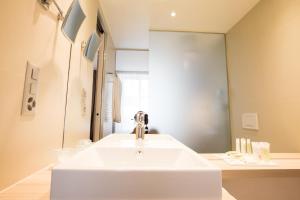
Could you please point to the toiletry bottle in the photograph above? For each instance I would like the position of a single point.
(248, 146)
(243, 145)
(237, 145)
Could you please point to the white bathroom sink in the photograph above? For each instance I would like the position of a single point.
(128, 140)
(136, 173)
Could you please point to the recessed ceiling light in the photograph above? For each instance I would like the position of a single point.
(173, 14)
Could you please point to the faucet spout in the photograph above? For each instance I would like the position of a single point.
(139, 132)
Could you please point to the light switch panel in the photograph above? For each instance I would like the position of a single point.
(33, 88)
(35, 73)
(250, 121)
(30, 90)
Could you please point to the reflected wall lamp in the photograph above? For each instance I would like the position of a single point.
(73, 19)
(91, 46)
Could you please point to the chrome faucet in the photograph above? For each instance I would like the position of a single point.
(140, 126)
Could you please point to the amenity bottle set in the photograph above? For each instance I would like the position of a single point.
(259, 150)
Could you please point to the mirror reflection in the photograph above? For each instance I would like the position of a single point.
(151, 86)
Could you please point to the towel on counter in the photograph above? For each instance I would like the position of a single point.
(117, 92)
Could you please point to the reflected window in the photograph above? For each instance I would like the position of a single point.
(135, 97)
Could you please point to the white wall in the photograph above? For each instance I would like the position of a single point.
(132, 60)
(29, 33)
(263, 66)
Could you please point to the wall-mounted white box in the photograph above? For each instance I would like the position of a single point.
(250, 121)
(132, 60)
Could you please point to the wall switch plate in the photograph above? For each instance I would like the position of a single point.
(35, 73)
(33, 88)
(250, 121)
(30, 90)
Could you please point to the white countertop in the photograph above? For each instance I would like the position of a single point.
(287, 164)
(288, 161)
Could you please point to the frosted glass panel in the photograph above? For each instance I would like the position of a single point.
(188, 89)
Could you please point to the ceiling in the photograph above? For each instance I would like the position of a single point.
(129, 21)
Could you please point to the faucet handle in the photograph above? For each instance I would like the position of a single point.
(140, 117)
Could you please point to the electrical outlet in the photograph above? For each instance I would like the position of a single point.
(30, 90)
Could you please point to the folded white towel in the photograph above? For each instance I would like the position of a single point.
(117, 92)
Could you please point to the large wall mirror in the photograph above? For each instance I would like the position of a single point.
(200, 87)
